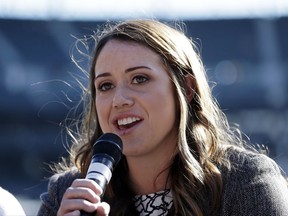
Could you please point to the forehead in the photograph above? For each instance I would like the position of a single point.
(116, 45)
(118, 52)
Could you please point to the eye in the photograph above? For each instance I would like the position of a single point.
(105, 86)
(139, 79)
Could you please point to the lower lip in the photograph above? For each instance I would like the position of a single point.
(128, 130)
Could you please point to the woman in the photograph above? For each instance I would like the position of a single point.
(180, 157)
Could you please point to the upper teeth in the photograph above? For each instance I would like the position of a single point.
(128, 120)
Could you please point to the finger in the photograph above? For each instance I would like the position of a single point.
(103, 209)
(81, 193)
(74, 213)
(70, 206)
(88, 183)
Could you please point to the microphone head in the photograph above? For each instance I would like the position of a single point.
(109, 144)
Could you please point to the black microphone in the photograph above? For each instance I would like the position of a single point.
(107, 152)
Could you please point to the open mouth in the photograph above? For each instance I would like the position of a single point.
(126, 123)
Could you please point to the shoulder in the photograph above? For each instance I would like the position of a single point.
(9, 205)
(251, 163)
(58, 184)
(253, 184)
(64, 179)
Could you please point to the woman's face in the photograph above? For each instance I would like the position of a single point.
(135, 99)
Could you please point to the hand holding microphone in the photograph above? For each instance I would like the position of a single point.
(107, 152)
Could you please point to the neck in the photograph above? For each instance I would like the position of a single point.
(149, 175)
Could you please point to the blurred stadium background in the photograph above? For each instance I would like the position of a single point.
(244, 48)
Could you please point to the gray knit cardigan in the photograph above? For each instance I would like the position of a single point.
(254, 186)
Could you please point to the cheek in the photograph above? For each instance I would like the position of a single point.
(165, 103)
(102, 113)
(170, 108)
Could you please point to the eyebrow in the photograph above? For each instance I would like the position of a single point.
(106, 74)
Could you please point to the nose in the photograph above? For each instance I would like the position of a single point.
(122, 97)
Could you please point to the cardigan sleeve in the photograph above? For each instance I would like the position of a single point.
(51, 200)
(255, 187)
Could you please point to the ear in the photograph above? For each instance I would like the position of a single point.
(190, 87)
